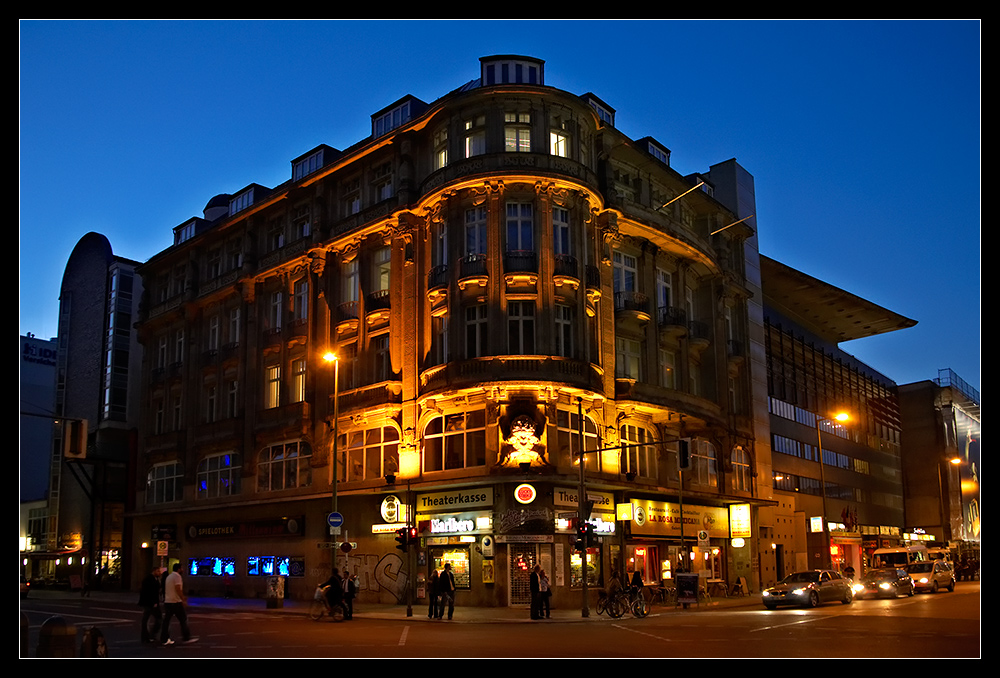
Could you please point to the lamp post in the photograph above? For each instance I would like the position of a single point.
(840, 417)
(331, 357)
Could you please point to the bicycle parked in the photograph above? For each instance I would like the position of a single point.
(320, 607)
(623, 600)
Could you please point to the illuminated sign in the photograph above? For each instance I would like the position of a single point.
(739, 521)
(525, 493)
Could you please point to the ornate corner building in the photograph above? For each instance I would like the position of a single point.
(511, 287)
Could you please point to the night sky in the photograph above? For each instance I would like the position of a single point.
(863, 137)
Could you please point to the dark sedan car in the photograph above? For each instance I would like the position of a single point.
(886, 582)
(809, 589)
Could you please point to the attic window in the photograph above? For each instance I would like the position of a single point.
(659, 153)
(307, 165)
(390, 120)
(241, 201)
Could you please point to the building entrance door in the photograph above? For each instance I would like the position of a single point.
(523, 558)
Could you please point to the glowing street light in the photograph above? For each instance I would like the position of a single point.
(331, 357)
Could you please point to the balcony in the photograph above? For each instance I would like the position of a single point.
(377, 307)
(632, 305)
(437, 288)
(566, 271)
(472, 270)
(346, 316)
(520, 267)
(672, 321)
(699, 335)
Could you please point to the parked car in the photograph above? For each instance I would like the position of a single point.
(809, 589)
(885, 582)
(932, 576)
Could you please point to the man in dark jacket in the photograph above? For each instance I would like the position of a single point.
(149, 601)
(447, 583)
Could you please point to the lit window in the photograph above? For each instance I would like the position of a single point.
(298, 393)
(628, 362)
(559, 143)
(639, 452)
(475, 136)
(517, 132)
(272, 393)
(455, 441)
(741, 469)
(369, 454)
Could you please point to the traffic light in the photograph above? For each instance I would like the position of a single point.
(684, 454)
(591, 537)
(402, 539)
(581, 536)
(412, 536)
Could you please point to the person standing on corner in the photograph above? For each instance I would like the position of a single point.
(149, 601)
(350, 590)
(173, 606)
(447, 591)
(544, 593)
(536, 606)
(433, 592)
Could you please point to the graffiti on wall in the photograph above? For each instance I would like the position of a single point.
(378, 573)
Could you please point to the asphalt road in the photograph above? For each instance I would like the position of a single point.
(944, 625)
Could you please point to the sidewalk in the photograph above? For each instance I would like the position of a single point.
(481, 615)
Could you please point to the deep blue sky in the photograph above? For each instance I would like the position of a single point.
(864, 138)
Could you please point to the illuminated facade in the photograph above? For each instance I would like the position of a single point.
(506, 280)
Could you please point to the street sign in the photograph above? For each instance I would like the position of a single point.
(334, 519)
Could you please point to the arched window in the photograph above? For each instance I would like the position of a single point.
(368, 454)
(455, 441)
(284, 466)
(219, 476)
(164, 483)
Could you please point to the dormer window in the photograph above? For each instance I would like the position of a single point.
(241, 201)
(604, 112)
(184, 232)
(391, 119)
(512, 70)
(659, 153)
(307, 165)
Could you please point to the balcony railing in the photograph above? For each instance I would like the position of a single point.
(472, 265)
(627, 300)
(437, 277)
(671, 315)
(566, 266)
(520, 261)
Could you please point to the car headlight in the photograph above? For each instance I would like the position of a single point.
(924, 580)
(798, 592)
(766, 593)
(885, 585)
(858, 588)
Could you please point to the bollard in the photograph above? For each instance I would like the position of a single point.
(94, 644)
(56, 639)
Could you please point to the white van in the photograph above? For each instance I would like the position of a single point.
(899, 557)
(939, 553)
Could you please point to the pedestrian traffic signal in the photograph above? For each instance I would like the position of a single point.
(402, 539)
(581, 536)
(412, 536)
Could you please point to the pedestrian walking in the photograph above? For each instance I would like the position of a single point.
(544, 594)
(433, 592)
(173, 606)
(447, 592)
(149, 601)
(334, 589)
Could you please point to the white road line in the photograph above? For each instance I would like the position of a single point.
(641, 633)
(794, 623)
(402, 636)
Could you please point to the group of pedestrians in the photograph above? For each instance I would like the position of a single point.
(162, 598)
(341, 591)
(441, 590)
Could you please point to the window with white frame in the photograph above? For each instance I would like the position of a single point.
(476, 335)
(475, 230)
(382, 182)
(234, 326)
(521, 327)
(232, 398)
(275, 235)
(211, 403)
(667, 368)
(560, 231)
(559, 143)
(391, 119)
(638, 452)
(275, 310)
(441, 148)
(349, 281)
(369, 454)
(517, 132)
(381, 367)
(218, 476)
(284, 466)
(475, 136)
(179, 346)
(568, 432)
(520, 227)
(439, 349)
(272, 386)
(352, 197)
(564, 319)
(301, 223)
(625, 273)
(298, 390)
(704, 464)
(664, 288)
(164, 483)
(628, 363)
(742, 475)
(455, 441)
(214, 332)
(382, 269)
(300, 300)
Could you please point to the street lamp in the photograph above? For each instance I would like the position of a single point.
(839, 417)
(331, 357)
